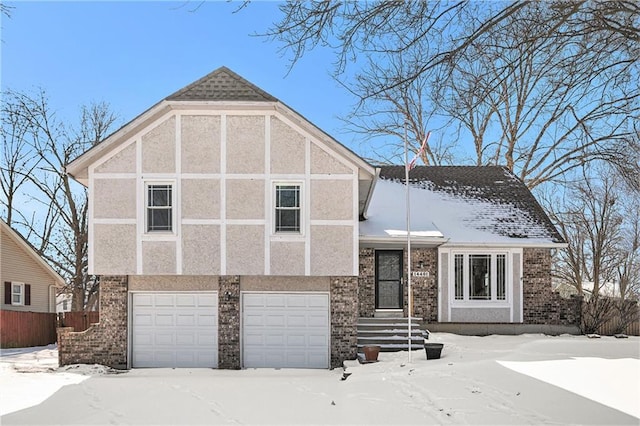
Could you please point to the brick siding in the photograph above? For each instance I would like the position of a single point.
(344, 319)
(106, 342)
(541, 304)
(229, 323)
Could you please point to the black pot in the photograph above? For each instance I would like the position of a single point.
(433, 350)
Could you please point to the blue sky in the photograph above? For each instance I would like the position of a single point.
(133, 54)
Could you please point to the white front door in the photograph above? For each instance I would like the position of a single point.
(174, 329)
(288, 330)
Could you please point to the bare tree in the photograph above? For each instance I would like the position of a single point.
(17, 159)
(539, 87)
(59, 232)
(590, 220)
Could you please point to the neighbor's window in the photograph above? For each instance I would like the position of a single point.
(159, 208)
(480, 276)
(287, 208)
(17, 294)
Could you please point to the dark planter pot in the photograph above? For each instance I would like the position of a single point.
(371, 353)
(433, 350)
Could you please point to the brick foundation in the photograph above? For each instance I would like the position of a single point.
(541, 304)
(229, 323)
(103, 343)
(344, 319)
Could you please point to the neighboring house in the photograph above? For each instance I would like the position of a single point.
(63, 302)
(29, 283)
(231, 232)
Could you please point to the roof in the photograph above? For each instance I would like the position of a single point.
(466, 204)
(221, 85)
(30, 250)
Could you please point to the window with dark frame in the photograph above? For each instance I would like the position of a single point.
(287, 208)
(159, 208)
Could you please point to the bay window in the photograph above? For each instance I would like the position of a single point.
(480, 276)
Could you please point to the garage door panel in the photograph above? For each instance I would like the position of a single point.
(207, 320)
(143, 319)
(208, 301)
(274, 320)
(174, 330)
(297, 320)
(188, 300)
(285, 330)
(185, 320)
(164, 300)
(297, 301)
(321, 321)
(318, 340)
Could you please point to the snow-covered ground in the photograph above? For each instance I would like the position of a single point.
(528, 379)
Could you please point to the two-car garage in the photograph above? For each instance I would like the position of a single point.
(278, 329)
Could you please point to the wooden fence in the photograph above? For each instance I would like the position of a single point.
(25, 329)
(80, 321)
(609, 327)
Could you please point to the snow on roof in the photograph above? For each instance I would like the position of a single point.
(455, 212)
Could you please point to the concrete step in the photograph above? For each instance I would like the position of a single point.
(367, 320)
(395, 347)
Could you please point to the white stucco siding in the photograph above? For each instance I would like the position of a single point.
(324, 163)
(158, 257)
(287, 258)
(245, 144)
(245, 250)
(287, 153)
(200, 249)
(158, 148)
(114, 198)
(245, 199)
(223, 167)
(124, 161)
(200, 198)
(114, 249)
(332, 200)
(200, 143)
(331, 250)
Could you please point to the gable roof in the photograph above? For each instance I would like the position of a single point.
(466, 204)
(221, 85)
(26, 246)
(218, 89)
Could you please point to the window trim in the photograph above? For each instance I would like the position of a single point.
(162, 182)
(466, 301)
(274, 195)
(21, 293)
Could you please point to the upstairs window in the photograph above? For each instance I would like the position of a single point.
(287, 208)
(159, 208)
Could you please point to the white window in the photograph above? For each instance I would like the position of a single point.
(480, 276)
(17, 294)
(159, 207)
(288, 208)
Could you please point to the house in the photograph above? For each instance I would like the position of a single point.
(29, 283)
(231, 232)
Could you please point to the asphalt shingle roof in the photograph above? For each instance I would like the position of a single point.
(221, 85)
(493, 184)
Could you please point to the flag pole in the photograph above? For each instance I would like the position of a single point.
(409, 299)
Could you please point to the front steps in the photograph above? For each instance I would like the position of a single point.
(391, 333)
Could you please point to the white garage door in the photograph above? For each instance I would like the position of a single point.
(174, 330)
(285, 330)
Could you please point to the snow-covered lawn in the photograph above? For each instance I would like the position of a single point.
(528, 379)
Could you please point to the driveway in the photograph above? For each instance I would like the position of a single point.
(478, 380)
